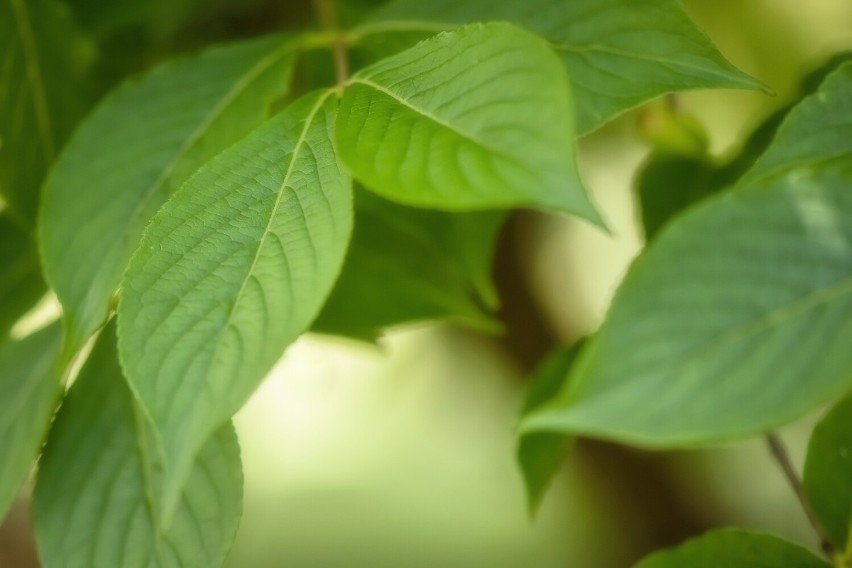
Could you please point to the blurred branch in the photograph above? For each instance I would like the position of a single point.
(327, 15)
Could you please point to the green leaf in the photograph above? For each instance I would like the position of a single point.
(540, 455)
(29, 391)
(133, 152)
(41, 95)
(408, 265)
(479, 118)
(230, 271)
(730, 548)
(828, 473)
(737, 319)
(21, 284)
(618, 53)
(93, 502)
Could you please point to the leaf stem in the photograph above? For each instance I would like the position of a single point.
(779, 452)
(327, 15)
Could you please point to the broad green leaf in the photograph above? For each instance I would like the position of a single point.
(478, 118)
(133, 152)
(618, 53)
(408, 265)
(21, 284)
(41, 95)
(98, 478)
(230, 271)
(731, 548)
(738, 317)
(828, 473)
(29, 391)
(540, 455)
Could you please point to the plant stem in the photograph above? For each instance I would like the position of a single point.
(779, 452)
(327, 15)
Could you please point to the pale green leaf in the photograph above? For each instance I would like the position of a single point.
(94, 501)
(230, 271)
(133, 152)
(410, 265)
(44, 60)
(738, 318)
(827, 479)
(618, 53)
(29, 391)
(21, 284)
(731, 548)
(478, 118)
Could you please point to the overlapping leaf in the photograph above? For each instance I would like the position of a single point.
(407, 265)
(95, 496)
(479, 118)
(230, 271)
(734, 549)
(618, 53)
(21, 284)
(133, 152)
(41, 95)
(739, 317)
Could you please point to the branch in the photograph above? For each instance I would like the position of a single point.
(327, 16)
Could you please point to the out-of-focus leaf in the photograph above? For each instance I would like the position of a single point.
(230, 271)
(21, 284)
(44, 62)
(98, 479)
(475, 119)
(133, 152)
(731, 548)
(618, 53)
(29, 391)
(738, 317)
(408, 265)
(828, 473)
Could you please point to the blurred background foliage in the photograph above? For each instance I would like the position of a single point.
(402, 454)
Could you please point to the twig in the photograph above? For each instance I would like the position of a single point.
(779, 452)
(327, 15)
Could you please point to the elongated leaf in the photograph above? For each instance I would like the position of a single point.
(29, 391)
(828, 473)
(618, 53)
(540, 455)
(133, 152)
(21, 284)
(97, 482)
(230, 271)
(738, 318)
(734, 549)
(41, 95)
(479, 118)
(408, 265)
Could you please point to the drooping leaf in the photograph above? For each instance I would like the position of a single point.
(133, 152)
(94, 501)
(737, 319)
(730, 548)
(618, 53)
(478, 118)
(230, 271)
(41, 95)
(21, 284)
(827, 479)
(29, 391)
(540, 455)
(407, 265)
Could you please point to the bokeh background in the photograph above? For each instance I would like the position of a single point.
(402, 454)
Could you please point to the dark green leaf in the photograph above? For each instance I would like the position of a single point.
(29, 391)
(828, 473)
(737, 319)
(734, 549)
(408, 265)
(21, 284)
(478, 118)
(133, 152)
(95, 495)
(230, 271)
